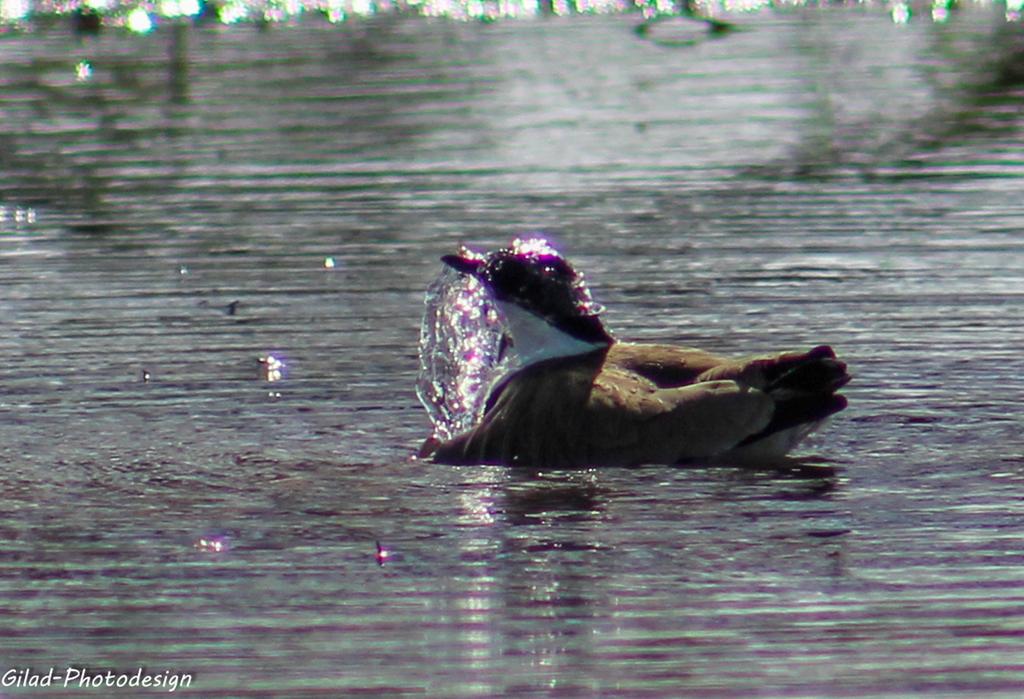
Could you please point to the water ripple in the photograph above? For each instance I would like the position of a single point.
(822, 177)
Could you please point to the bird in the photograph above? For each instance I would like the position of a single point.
(581, 398)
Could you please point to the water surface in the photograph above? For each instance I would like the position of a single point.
(209, 198)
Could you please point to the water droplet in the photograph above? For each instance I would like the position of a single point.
(83, 71)
(901, 13)
(212, 544)
(272, 368)
(382, 554)
(139, 21)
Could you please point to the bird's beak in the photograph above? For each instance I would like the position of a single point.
(466, 262)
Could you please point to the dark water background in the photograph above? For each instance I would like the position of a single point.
(820, 176)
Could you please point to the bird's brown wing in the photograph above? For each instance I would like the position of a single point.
(664, 404)
(785, 374)
(629, 420)
(666, 366)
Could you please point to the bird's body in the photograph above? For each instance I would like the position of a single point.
(652, 404)
(584, 399)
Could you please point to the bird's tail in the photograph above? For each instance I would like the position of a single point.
(814, 373)
(804, 387)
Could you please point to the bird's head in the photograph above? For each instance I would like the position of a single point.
(545, 300)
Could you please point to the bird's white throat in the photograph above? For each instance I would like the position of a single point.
(536, 340)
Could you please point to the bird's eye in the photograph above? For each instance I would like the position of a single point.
(557, 267)
(509, 275)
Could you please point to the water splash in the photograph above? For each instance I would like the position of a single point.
(464, 352)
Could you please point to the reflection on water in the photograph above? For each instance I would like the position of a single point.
(90, 17)
(215, 245)
(856, 121)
